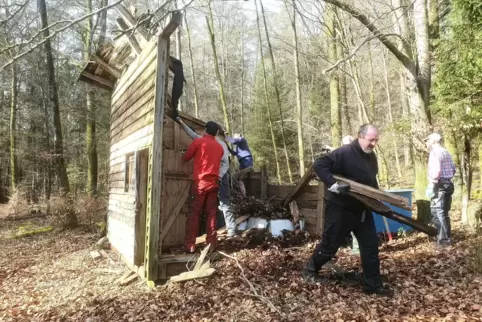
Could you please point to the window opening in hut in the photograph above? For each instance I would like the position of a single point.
(130, 174)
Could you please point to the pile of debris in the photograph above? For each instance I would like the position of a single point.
(248, 205)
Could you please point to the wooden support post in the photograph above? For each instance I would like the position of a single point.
(264, 182)
(132, 39)
(153, 225)
(176, 19)
(320, 209)
(297, 189)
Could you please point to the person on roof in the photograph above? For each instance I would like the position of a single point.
(207, 154)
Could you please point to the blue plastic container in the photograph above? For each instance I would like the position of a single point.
(394, 226)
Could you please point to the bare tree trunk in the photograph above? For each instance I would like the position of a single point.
(372, 86)
(299, 108)
(335, 115)
(242, 84)
(390, 115)
(268, 109)
(466, 177)
(278, 97)
(13, 127)
(210, 24)
(418, 80)
(54, 103)
(193, 76)
(343, 91)
(90, 131)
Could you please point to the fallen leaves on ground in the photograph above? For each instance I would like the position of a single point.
(53, 278)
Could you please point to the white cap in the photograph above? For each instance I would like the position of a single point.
(434, 137)
(347, 139)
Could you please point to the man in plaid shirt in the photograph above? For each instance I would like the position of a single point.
(441, 170)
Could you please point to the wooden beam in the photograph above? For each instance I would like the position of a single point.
(153, 225)
(131, 20)
(176, 19)
(111, 69)
(365, 190)
(98, 79)
(297, 189)
(264, 182)
(132, 39)
(182, 200)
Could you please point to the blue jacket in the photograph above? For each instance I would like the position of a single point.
(241, 151)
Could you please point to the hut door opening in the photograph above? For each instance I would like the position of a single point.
(142, 160)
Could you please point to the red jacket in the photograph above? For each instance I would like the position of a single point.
(207, 154)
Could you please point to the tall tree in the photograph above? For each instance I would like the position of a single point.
(299, 108)
(193, 75)
(90, 138)
(13, 127)
(53, 101)
(210, 24)
(418, 79)
(334, 86)
(277, 92)
(268, 109)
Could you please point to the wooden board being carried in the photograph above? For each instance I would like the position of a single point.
(373, 193)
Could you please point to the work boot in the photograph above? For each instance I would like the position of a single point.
(189, 249)
(382, 291)
(310, 273)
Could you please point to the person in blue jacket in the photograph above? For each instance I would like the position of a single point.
(244, 156)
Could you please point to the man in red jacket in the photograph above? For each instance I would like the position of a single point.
(207, 154)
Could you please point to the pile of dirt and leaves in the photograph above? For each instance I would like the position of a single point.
(53, 277)
(249, 205)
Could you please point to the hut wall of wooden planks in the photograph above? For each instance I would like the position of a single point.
(148, 182)
(308, 197)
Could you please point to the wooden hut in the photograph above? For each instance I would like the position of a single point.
(148, 183)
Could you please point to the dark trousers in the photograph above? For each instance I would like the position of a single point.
(202, 200)
(440, 206)
(339, 222)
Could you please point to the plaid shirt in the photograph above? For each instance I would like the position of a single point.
(440, 164)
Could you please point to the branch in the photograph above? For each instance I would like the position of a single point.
(404, 59)
(74, 22)
(21, 7)
(354, 52)
(251, 286)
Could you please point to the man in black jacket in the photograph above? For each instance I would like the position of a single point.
(343, 214)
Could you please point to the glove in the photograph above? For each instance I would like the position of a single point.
(429, 192)
(339, 187)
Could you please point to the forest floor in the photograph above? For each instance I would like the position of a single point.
(51, 276)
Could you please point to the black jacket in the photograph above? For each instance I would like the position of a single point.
(351, 162)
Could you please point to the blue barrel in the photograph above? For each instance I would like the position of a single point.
(393, 225)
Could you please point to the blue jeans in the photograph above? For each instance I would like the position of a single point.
(440, 206)
(225, 204)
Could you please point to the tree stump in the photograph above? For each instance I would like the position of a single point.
(423, 211)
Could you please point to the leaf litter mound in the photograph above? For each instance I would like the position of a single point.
(52, 278)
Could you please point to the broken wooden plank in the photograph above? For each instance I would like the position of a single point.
(202, 239)
(132, 39)
(105, 65)
(297, 189)
(131, 20)
(186, 276)
(98, 79)
(371, 192)
(174, 22)
(382, 209)
(95, 255)
(129, 279)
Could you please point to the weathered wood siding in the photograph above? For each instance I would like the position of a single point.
(131, 130)
(309, 200)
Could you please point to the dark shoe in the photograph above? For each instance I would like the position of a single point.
(382, 291)
(310, 273)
